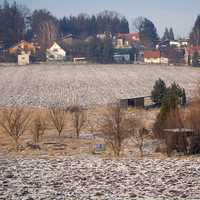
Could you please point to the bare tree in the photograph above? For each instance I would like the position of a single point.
(137, 132)
(57, 116)
(14, 122)
(137, 22)
(78, 118)
(39, 126)
(138, 137)
(45, 28)
(114, 128)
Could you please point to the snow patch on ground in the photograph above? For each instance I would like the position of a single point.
(96, 178)
(46, 84)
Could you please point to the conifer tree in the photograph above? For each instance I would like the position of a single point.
(171, 34)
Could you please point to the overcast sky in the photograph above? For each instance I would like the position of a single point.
(179, 14)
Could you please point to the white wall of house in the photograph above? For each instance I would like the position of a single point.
(55, 53)
(23, 59)
(152, 60)
(175, 43)
(161, 60)
(164, 60)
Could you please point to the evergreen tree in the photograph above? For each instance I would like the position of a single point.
(169, 105)
(166, 35)
(12, 24)
(158, 92)
(84, 25)
(171, 34)
(195, 34)
(148, 33)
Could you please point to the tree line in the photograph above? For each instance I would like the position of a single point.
(17, 23)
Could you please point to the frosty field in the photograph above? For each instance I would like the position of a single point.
(69, 178)
(45, 84)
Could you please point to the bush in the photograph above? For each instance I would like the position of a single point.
(115, 128)
(158, 92)
(39, 125)
(169, 105)
(57, 116)
(78, 118)
(14, 122)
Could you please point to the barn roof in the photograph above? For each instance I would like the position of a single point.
(152, 54)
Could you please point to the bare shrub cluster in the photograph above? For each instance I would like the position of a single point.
(119, 127)
(57, 116)
(14, 122)
(38, 128)
(78, 118)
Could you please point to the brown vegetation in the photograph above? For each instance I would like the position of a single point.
(78, 118)
(57, 116)
(14, 122)
(114, 129)
(39, 126)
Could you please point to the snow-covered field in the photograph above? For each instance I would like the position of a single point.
(44, 84)
(95, 178)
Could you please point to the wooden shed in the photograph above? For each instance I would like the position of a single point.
(137, 102)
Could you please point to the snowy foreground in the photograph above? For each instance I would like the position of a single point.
(46, 84)
(95, 178)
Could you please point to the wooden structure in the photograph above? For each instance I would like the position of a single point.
(137, 102)
(182, 140)
(79, 60)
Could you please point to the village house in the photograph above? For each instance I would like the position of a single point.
(55, 53)
(154, 57)
(22, 51)
(122, 55)
(22, 46)
(124, 40)
(105, 35)
(179, 43)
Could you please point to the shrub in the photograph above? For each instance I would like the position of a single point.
(14, 122)
(57, 116)
(78, 118)
(158, 92)
(39, 125)
(115, 128)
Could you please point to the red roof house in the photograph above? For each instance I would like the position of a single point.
(152, 54)
(152, 57)
(130, 37)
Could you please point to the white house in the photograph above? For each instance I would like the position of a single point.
(174, 43)
(23, 58)
(55, 53)
(154, 57)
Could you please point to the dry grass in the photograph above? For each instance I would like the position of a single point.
(67, 144)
